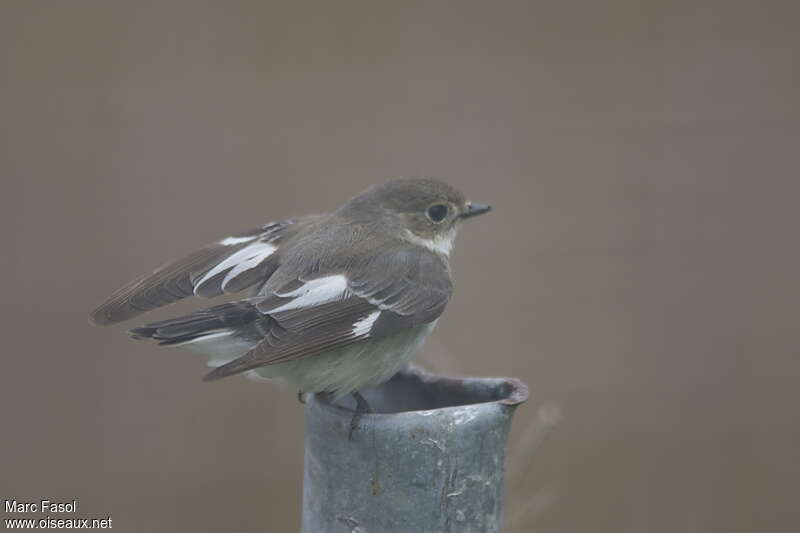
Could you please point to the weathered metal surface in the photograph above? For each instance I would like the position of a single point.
(430, 459)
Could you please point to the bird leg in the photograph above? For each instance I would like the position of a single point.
(362, 407)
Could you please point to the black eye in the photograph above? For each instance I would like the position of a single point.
(437, 212)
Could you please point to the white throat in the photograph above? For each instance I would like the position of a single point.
(441, 244)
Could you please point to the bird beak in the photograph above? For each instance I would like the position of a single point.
(475, 209)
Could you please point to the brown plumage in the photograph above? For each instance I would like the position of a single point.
(327, 289)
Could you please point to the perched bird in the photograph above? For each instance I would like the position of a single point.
(340, 301)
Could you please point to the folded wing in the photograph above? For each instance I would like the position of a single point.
(328, 309)
(226, 266)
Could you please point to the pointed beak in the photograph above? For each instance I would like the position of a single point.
(474, 208)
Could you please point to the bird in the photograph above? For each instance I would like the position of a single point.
(338, 302)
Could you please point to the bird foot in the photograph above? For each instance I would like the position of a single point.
(362, 408)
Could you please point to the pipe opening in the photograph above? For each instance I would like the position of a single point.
(416, 390)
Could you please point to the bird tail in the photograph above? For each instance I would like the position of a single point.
(223, 332)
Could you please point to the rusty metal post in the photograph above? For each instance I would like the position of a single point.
(430, 458)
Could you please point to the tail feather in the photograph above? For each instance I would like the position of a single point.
(223, 332)
(229, 317)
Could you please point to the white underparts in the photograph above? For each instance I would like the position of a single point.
(219, 345)
(354, 367)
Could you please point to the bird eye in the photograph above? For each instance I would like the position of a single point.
(437, 212)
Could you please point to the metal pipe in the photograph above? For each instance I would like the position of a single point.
(429, 459)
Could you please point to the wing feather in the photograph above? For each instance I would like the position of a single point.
(390, 293)
(229, 265)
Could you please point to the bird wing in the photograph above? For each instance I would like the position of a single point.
(226, 266)
(319, 311)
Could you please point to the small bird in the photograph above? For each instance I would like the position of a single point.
(340, 301)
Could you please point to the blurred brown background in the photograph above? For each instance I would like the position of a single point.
(639, 270)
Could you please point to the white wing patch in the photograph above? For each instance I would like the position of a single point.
(364, 326)
(315, 292)
(230, 241)
(248, 257)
